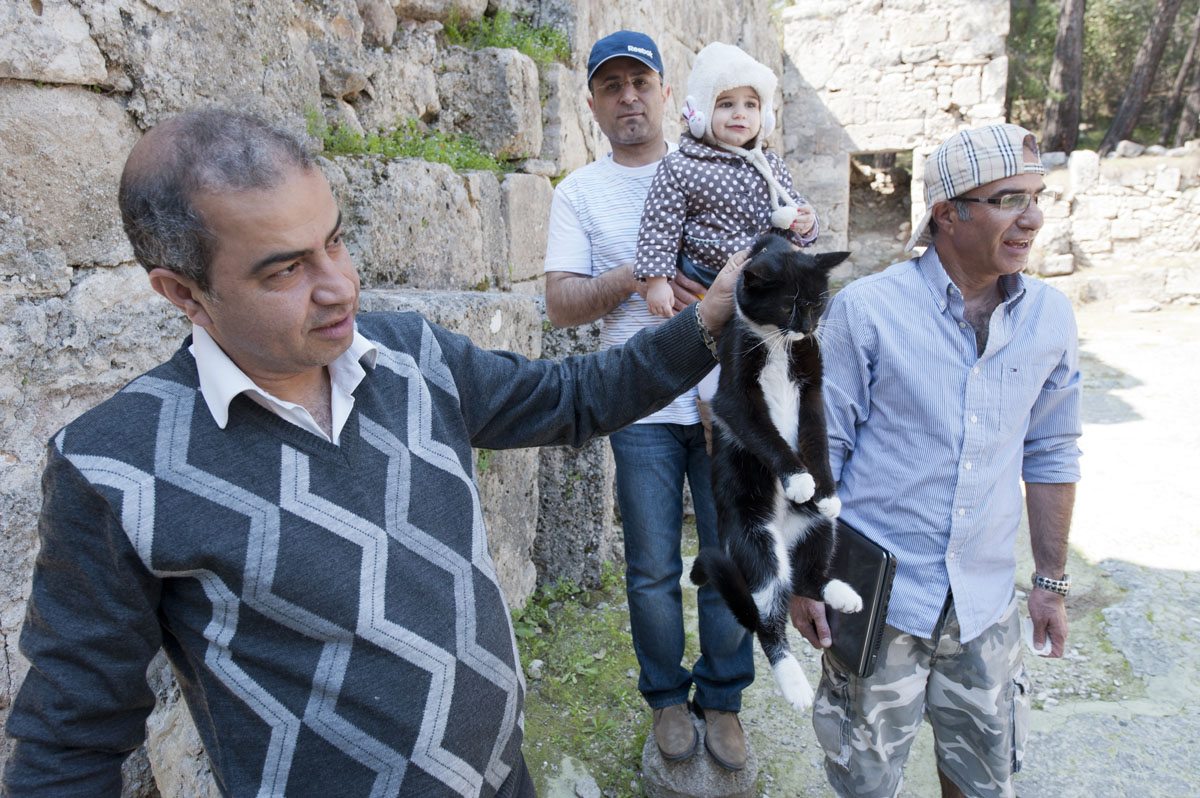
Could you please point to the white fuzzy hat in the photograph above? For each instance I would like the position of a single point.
(718, 68)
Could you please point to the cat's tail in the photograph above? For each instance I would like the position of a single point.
(716, 566)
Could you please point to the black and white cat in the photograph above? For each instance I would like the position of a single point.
(775, 496)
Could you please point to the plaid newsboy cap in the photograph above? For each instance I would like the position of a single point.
(972, 158)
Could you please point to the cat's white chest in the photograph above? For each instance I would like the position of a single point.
(781, 394)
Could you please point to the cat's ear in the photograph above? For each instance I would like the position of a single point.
(754, 273)
(827, 260)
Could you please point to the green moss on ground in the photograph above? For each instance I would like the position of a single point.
(585, 712)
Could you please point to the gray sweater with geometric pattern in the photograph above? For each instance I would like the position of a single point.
(331, 612)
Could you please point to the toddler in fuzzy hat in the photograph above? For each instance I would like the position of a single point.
(720, 190)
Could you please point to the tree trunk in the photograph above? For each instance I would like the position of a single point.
(1189, 119)
(1180, 82)
(1060, 125)
(1144, 67)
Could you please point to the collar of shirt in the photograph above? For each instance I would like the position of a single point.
(221, 380)
(942, 287)
(649, 168)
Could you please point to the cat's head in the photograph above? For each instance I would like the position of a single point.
(782, 289)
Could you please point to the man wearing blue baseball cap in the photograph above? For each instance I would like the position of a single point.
(592, 244)
(950, 379)
(624, 44)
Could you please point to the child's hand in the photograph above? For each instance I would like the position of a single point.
(804, 221)
(659, 297)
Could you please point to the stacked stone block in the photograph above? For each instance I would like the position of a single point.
(575, 514)
(1126, 226)
(883, 76)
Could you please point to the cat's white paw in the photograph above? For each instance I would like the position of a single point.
(830, 506)
(800, 487)
(792, 681)
(841, 596)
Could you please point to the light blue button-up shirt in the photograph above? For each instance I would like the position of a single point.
(930, 441)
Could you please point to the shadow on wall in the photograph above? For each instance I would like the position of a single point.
(817, 151)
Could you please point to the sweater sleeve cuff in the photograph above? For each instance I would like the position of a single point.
(683, 345)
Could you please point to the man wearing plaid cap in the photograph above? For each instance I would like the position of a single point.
(950, 379)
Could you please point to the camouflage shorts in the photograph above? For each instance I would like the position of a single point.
(976, 696)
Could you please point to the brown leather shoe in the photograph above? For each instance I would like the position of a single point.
(724, 738)
(674, 733)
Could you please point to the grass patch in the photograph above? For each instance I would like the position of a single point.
(586, 706)
(508, 30)
(405, 139)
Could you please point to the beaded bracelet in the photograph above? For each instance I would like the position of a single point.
(1060, 586)
(705, 334)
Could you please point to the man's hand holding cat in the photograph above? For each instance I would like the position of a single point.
(808, 616)
(717, 306)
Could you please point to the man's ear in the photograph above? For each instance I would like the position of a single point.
(181, 292)
(591, 101)
(945, 214)
(666, 92)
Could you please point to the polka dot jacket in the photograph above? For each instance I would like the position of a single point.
(709, 203)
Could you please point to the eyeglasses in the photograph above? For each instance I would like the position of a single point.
(1016, 203)
(614, 87)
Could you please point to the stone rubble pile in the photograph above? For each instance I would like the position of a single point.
(1134, 205)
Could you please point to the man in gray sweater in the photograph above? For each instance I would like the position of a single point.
(288, 506)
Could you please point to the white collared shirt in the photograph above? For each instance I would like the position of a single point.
(221, 380)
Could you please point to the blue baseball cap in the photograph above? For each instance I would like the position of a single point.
(624, 44)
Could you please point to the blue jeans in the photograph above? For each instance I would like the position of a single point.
(652, 460)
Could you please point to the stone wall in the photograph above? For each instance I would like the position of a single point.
(1127, 227)
(870, 76)
(81, 79)
(883, 76)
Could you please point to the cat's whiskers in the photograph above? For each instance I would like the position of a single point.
(772, 340)
(779, 340)
(827, 328)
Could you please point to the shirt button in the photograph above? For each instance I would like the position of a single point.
(961, 511)
(974, 419)
(950, 556)
(962, 324)
(975, 370)
(970, 466)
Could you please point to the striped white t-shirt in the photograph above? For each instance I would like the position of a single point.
(594, 221)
